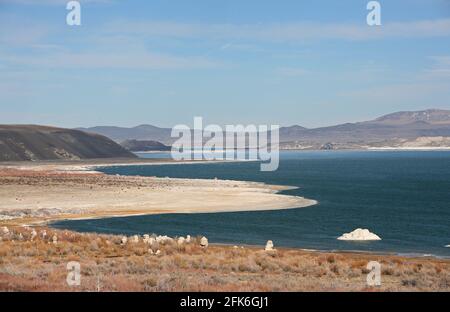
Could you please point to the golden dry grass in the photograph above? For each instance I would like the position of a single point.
(106, 265)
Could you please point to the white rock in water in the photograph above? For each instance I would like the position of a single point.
(204, 242)
(447, 246)
(359, 235)
(269, 246)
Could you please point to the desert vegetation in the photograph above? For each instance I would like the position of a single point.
(36, 260)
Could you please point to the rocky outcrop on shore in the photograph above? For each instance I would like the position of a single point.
(359, 235)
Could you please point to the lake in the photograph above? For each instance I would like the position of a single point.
(402, 196)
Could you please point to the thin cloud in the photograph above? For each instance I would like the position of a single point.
(291, 71)
(440, 68)
(280, 32)
(19, 31)
(49, 2)
(97, 60)
(398, 92)
(241, 47)
(442, 60)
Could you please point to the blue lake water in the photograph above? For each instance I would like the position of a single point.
(404, 197)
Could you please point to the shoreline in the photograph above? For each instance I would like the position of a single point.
(139, 265)
(80, 192)
(88, 168)
(406, 255)
(374, 149)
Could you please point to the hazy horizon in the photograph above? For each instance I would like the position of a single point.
(188, 122)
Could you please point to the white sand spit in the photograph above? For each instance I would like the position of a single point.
(54, 194)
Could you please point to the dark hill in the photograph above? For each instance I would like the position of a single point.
(31, 142)
(144, 146)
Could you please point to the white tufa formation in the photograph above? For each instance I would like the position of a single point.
(188, 239)
(204, 242)
(181, 240)
(135, 239)
(163, 239)
(33, 234)
(55, 239)
(44, 234)
(359, 235)
(5, 230)
(157, 253)
(269, 246)
(124, 240)
(146, 238)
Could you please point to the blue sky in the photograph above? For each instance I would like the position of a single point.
(312, 63)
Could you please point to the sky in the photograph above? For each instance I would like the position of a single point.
(162, 62)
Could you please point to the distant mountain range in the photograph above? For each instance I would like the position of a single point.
(31, 142)
(383, 130)
(420, 129)
(142, 132)
(405, 125)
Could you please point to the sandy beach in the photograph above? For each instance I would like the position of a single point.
(33, 193)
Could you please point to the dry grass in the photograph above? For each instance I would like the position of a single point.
(106, 265)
